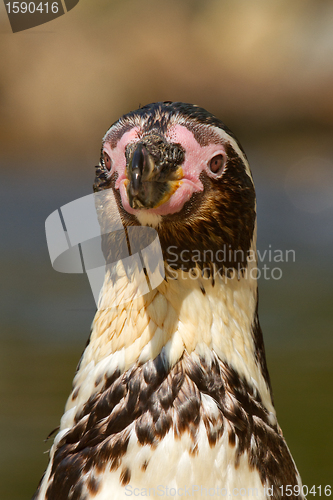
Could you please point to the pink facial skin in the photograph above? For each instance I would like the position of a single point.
(196, 161)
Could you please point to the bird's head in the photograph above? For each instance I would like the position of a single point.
(177, 168)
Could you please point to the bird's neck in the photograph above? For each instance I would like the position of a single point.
(185, 313)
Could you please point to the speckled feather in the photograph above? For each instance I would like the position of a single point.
(173, 388)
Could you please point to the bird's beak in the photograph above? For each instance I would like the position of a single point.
(149, 185)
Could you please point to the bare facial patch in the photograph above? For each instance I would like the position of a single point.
(197, 158)
(117, 153)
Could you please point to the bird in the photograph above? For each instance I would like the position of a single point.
(172, 395)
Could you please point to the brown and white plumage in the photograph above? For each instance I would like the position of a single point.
(172, 390)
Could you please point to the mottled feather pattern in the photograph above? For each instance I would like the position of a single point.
(173, 387)
(149, 401)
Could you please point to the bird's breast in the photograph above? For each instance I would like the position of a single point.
(182, 315)
(170, 394)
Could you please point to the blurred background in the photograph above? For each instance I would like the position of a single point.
(266, 69)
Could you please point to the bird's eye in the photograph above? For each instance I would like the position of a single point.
(107, 161)
(216, 164)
